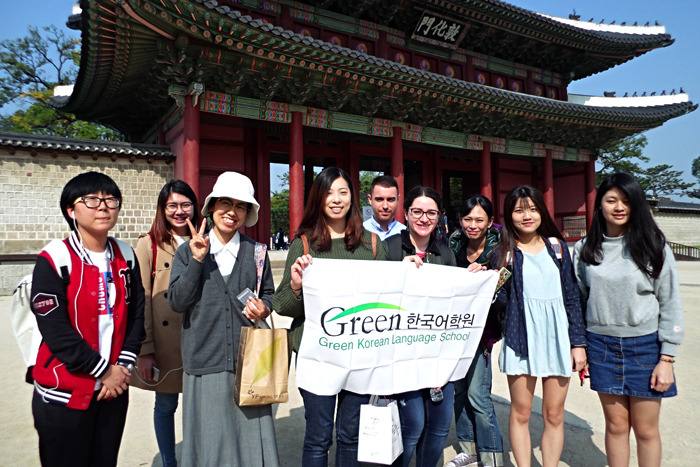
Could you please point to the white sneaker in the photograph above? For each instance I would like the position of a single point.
(462, 460)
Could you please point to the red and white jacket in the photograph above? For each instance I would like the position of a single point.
(65, 303)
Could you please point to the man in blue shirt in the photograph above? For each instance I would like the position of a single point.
(383, 196)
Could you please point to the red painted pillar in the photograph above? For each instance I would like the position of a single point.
(308, 176)
(296, 172)
(190, 152)
(352, 164)
(262, 191)
(397, 168)
(590, 191)
(548, 185)
(486, 188)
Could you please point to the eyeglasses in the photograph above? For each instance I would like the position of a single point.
(171, 208)
(227, 205)
(93, 202)
(431, 214)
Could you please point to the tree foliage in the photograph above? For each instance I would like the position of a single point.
(627, 156)
(695, 170)
(30, 68)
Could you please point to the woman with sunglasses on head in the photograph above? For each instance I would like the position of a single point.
(332, 228)
(88, 301)
(477, 426)
(627, 273)
(544, 332)
(159, 366)
(426, 414)
(209, 272)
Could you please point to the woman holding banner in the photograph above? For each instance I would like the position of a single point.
(425, 413)
(331, 227)
(477, 426)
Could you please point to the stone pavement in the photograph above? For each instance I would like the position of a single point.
(583, 445)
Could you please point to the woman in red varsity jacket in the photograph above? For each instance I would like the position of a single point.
(88, 300)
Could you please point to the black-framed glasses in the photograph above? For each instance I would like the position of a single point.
(171, 208)
(431, 214)
(93, 202)
(227, 205)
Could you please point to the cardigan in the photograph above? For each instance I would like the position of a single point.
(515, 331)
(163, 326)
(286, 303)
(212, 315)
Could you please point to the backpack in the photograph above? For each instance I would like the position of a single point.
(24, 325)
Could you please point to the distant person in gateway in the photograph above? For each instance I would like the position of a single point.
(383, 196)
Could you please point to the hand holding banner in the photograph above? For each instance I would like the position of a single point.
(383, 327)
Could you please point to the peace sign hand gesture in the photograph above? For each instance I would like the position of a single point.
(199, 244)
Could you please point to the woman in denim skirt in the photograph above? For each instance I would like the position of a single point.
(634, 317)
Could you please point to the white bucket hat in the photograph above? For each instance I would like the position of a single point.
(236, 186)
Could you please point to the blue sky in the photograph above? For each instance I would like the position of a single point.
(677, 142)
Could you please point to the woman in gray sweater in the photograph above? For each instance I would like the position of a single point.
(634, 317)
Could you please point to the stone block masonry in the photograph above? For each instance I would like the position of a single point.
(30, 189)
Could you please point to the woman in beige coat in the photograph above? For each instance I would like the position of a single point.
(160, 362)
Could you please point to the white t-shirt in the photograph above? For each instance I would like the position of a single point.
(107, 293)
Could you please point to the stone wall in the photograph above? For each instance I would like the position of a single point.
(683, 228)
(30, 189)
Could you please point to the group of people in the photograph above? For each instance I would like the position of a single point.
(167, 318)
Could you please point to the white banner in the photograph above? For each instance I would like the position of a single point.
(386, 327)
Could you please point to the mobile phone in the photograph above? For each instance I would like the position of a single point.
(503, 275)
(156, 374)
(245, 295)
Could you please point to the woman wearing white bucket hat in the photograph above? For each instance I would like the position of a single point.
(208, 274)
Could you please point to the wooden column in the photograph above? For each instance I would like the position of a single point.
(308, 176)
(548, 183)
(262, 191)
(296, 172)
(485, 175)
(590, 191)
(190, 152)
(352, 164)
(397, 168)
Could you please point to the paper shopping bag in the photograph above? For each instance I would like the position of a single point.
(380, 434)
(262, 371)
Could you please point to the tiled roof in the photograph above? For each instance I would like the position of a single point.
(677, 206)
(57, 143)
(644, 111)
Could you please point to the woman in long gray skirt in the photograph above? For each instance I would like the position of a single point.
(208, 274)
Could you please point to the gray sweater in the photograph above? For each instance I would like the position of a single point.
(623, 301)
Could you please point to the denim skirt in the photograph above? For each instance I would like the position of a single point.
(623, 365)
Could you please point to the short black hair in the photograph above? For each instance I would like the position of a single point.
(473, 201)
(84, 184)
(386, 181)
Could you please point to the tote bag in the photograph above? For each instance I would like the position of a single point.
(380, 439)
(262, 372)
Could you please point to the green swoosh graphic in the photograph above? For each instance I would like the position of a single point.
(367, 306)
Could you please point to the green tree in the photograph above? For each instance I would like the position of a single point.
(661, 180)
(30, 68)
(626, 155)
(623, 155)
(695, 170)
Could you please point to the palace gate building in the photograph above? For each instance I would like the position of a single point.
(465, 96)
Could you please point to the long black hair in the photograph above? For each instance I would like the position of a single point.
(160, 229)
(643, 240)
(313, 223)
(510, 235)
(473, 201)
